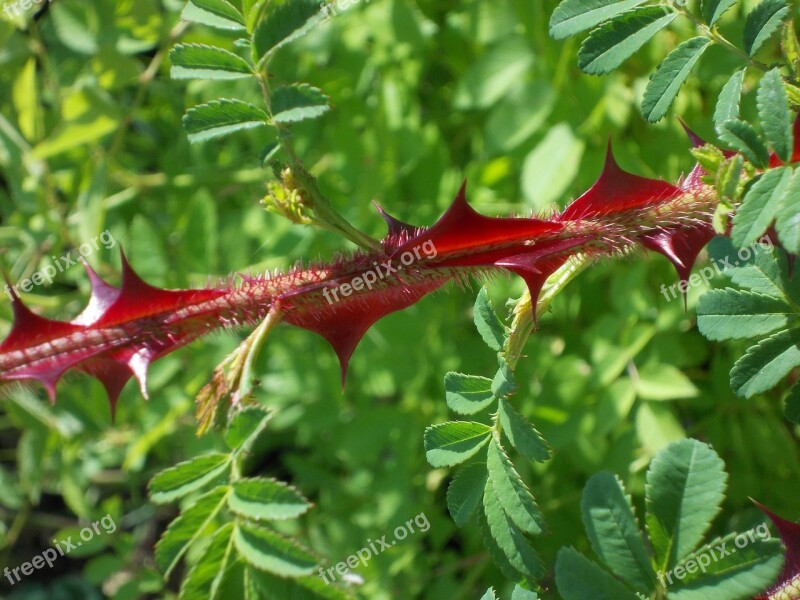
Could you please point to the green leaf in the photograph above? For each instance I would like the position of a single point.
(712, 10)
(578, 578)
(731, 567)
(514, 546)
(186, 477)
(496, 553)
(773, 111)
(729, 99)
(733, 314)
(573, 16)
(451, 443)
(613, 531)
(268, 551)
(214, 13)
(791, 46)
(761, 204)
(284, 24)
(489, 595)
(209, 569)
(663, 382)
(608, 46)
(261, 498)
(191, 525)
(221, 117)
(666, 81)
(503, 383)
(522, 435)
(765, 364)
(792, 408)
(488, 324)
(762, 22)
(741, 136)
(787, 221)
(684, 490)
(246, 427)
(299, 102)
(759, 268)
(728, 177)
(494, 74)
(196, 61)
(467, 394)
(549, 169)
(520, 593)
(465, 492)
(511, 492)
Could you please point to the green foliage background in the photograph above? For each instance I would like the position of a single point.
(424, 94)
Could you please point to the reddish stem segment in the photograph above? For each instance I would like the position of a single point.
(124, 329)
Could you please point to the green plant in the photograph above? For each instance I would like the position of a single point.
(237, 555)
(684, 493)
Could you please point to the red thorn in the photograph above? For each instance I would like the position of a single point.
(29, 328)
(616, 191)
(103, 296)
(790, 536)
(696, 140)
(396, 227)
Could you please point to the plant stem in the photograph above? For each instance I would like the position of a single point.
(714, 35)
(524, 322)
(324, 213)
